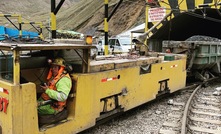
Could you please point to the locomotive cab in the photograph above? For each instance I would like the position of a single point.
(23, 67)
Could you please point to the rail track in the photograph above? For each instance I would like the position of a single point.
(198, 114)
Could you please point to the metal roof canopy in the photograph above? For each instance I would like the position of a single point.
(56, 46)
(17, 47)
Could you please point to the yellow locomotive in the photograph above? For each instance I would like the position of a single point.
(102, 87)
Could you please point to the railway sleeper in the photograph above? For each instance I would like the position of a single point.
(164, 131)
(205, 113)
(206, 121)
(197, 106)
(207, 102)
(175, 115)
(171, 124)
(179, 103)
(209, 96)
(209, 99)
(176, 109)
(203, 130)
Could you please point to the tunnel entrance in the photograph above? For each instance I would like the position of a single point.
(198, 22)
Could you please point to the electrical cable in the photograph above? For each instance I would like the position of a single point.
(180, 3)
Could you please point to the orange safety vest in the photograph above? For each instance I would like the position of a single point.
(58, 105)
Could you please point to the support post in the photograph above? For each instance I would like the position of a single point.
(16, 67)
(53, 20)
(146, 23)
(105, 27)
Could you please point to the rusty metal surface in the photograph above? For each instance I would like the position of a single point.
(48, 46)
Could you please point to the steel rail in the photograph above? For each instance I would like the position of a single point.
(184, 119)
(186, 110)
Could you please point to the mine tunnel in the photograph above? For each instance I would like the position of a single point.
(206, 22)
(188, 24)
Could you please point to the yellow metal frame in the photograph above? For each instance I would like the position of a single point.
(14, 15)
(90, 88)
(123, 88)
(21, 116)
(141, 89)
(40, 26)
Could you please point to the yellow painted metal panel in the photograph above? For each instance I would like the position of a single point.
(165, 4)
(53, 21)
(16, 68)
(146, 19)
(198, 2)
(17, 109)
(182, 5)
(29, 106)
(6, 118)
(91, 88)
(86, 110)
(21, 116)
(144, 87)
(160, 25)
(106, 49)
(105, 25)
